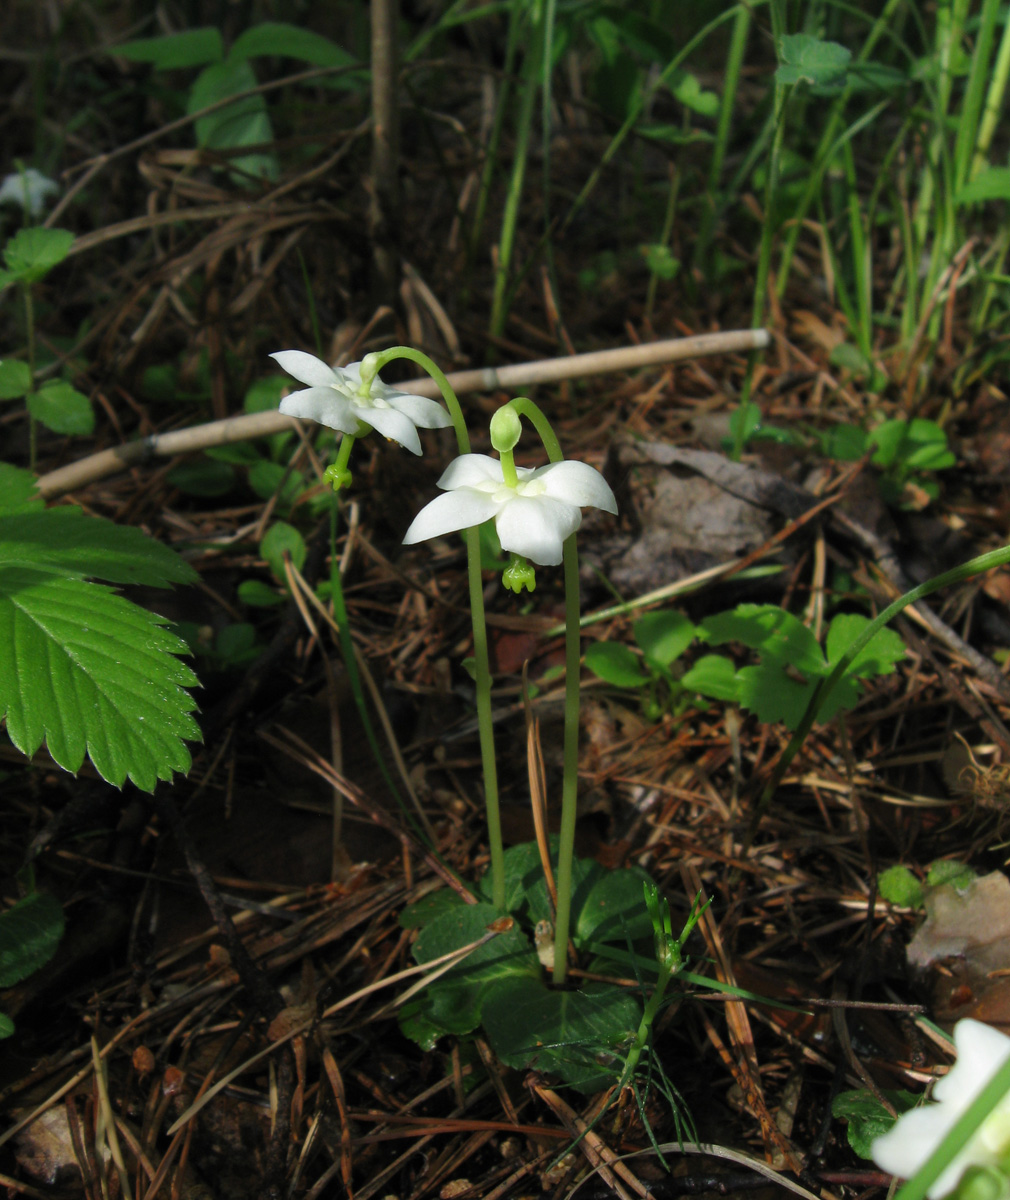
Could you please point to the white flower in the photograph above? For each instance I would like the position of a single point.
(906, 1146)
(29, 189)
(335, 397)
(532, 519)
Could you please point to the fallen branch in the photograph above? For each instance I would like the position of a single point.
(254, 425)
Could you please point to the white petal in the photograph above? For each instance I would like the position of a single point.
(428, 414)
(980, 1050)
(536, 527)
(469, 470)
(306, 368)
(577, 483)
(324, 405)
(391, 424)
(450, 512)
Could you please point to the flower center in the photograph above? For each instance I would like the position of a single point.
(360, 396)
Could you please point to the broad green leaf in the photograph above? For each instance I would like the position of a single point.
(203, 477)
(6, 1026)
(238, 454)
(777, 634)
(991, 184)
(277, 38)
(867, 1118)
(899, 886)
(454, 1002)
(18, 493)
(279, 539)
(244, 123)
(174, 51)
(265, 394)
(616, 664)
(582, 1036)
(845, 443)
(946, 870)
(32, 253)
(614, 910)
(918, 444)
(715, 676)
(660, 260)
(63, 409)
(236, 645)
(15, 379)
(877, 657)
(423, 912)
(87, 671)
(688, 90)
(768, 691)
(30, 931)
(268, 479)
(850, 358)
(257, 594)
(808, 59)
(65, 541)
(663, 636)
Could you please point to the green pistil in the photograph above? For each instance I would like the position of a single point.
(510, 476)
(519, 574)
(337, 475)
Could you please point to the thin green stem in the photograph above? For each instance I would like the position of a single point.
(33, 432)
(482, 669)
(570, 784)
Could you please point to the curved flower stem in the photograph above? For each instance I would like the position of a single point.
(480, 653)
(569, 787)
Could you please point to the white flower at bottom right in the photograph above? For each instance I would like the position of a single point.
(981, 1051)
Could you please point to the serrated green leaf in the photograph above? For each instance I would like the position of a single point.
(809, 59)
(715, 676)
(65, 541)
(616, 664)
(771, 695)
(946, 870)
(663, 636)
(279, 539)
(87, 671)
(18, 493)
(175, 51)
(898, 885)
(30, 931)
(32, 253)
(62, 409)
(423, 912)
(867, 1118)
(779, 636)
(15, 379)
(877, 657)
(614, 909)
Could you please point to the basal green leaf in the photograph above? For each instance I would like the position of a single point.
(616, 664)
(423, 912)
(203, 477)
(257, 594)
(32, 253)
(6, 1026)
(244, 123)
(67, 542)
(265, 394)
(768, 691)
(946, 870)
(15, 379)
(582, 1036)
(87, 671)
(174, 51)
(63, 409)
(663, 636)
(30, 931)
(867, 1118)
(614, 910)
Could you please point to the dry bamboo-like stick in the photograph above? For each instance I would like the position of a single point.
(253, 425)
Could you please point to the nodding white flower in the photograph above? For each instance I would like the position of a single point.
(337, 397)
(29, 189)
(906, 1146)
(532, 519)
